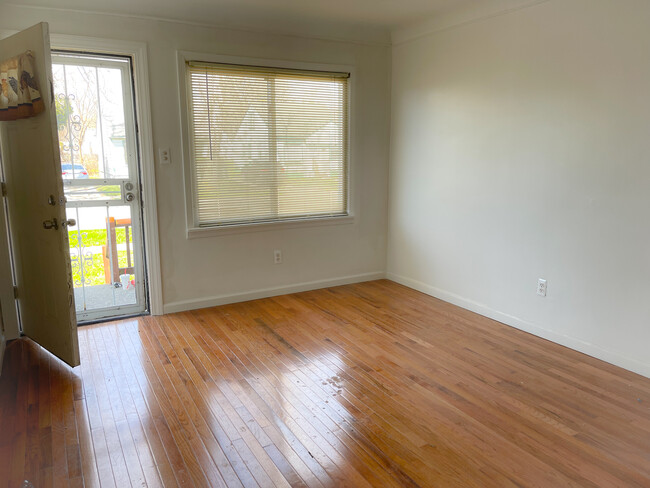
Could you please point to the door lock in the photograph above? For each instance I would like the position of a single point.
(129, 197)
(54, 224)
(51, 224)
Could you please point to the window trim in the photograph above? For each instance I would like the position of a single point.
(193, 229)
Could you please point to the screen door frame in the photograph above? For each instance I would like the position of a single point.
(130, 185)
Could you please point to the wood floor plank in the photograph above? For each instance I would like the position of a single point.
(370, 384)
(173, 424)
(296, 423)
(8, 406)
(214, 437)
(18, 425)
(228, 400)
(337, 437)
(166, 451)
(223, 373)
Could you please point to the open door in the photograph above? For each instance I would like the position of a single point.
(36, 207)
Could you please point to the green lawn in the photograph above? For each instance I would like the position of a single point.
(95, 237)
(94, 270)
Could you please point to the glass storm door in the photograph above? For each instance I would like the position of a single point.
(99, 166)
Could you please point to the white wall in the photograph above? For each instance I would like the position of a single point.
(200, 272)
(521, 150)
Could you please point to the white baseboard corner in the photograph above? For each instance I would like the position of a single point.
(181, 306)
(589, 349)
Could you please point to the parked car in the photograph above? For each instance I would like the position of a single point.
(77, 171)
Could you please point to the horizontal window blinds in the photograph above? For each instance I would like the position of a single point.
(267, 144)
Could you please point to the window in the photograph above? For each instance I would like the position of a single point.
(266, 144)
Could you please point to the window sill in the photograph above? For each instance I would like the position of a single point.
(199, 232)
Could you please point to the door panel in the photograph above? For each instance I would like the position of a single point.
(34, 196)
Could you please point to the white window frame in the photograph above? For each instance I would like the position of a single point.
(192, 227)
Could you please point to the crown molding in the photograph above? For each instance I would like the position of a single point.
(350, 34)
(485, 10)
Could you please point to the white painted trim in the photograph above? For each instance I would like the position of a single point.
(574, 343)
(198, 232)
(214, 301)
(456, 17)
(8, 309)
(138, 52)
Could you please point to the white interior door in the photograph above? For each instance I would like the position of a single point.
(36, 210)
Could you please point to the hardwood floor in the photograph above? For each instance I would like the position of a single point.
(363, 385)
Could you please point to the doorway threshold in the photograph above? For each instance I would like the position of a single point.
(113, 318)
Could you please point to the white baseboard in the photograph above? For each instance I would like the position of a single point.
(214, 301)
(592, 350)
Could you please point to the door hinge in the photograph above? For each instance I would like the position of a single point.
(3, 188)
(16, 292)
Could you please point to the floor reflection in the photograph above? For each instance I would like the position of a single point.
(302, 391)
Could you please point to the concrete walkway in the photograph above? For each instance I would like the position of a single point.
(103, 296)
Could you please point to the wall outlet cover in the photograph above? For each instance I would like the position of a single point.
(541, 287)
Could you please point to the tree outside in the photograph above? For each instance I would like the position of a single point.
(76, 115)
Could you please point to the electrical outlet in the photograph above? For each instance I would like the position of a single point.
(541, 287)
(165, 155)
(277, 256)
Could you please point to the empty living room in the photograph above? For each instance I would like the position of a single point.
(289, 243)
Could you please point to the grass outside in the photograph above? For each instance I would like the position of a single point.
(91, 191)
(94, 237)
(94, 270)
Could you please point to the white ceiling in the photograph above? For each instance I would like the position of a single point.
(379, 14)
